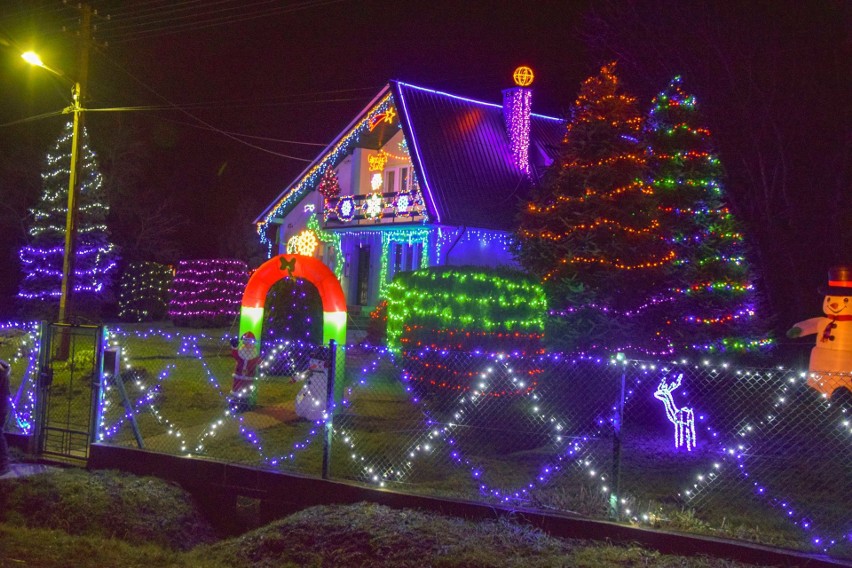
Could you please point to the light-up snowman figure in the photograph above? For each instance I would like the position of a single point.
(311, 400)
(831, 359)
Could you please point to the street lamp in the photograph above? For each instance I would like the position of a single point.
(67, 287)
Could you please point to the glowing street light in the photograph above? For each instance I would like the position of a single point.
(32, 58)
(67, 287)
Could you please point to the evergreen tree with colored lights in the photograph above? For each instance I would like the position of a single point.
(708, 299)
(42, 256)
(590, 231)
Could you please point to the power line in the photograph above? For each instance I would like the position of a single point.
(251, 136)
(34, 118)
(171, 27)
(195, 118)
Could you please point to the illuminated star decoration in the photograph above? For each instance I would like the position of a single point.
(386, 117)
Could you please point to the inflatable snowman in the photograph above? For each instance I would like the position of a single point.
(831, 359)
(311, 400)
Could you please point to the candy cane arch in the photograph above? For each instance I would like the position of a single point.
(295, 266)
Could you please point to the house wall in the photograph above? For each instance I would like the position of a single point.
(351, 245)
(296, 220)
(460, 246)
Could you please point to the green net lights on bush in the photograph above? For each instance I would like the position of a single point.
(457, 308)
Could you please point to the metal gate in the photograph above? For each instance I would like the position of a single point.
(69, 393)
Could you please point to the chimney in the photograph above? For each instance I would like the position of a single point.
(517, 105)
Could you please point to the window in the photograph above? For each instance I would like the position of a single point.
(397, 258)
(397, 179)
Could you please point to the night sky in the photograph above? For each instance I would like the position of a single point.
(283, 78)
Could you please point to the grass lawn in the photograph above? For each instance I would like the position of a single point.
(74, 518)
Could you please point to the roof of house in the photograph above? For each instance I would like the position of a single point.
(461, 150)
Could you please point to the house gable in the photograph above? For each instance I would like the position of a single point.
(460, 150)
(362, 131)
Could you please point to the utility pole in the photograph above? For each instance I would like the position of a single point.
(66, 293)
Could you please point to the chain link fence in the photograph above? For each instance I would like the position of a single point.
(752, 453)
(173, 394)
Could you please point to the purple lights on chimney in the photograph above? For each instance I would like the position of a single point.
(517, 107)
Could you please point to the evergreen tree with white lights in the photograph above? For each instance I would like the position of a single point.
(591, 232)
(42, 256)
(708, 301)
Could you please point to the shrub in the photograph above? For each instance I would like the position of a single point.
(144, 292)
(465, 308)
(207, 293)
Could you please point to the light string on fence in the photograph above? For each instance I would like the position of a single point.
(22, 404)
(547, 471)
(189, 348)
(735, 454)
(435, 431)
(250, 435)
(739, 452)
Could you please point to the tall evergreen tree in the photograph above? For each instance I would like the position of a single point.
(590, 231)
(42, 256)
(708, 301)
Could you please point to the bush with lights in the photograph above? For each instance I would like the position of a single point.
(465, 308)
(144, 292)
(591, 231)
(207, 293)
(95, 254)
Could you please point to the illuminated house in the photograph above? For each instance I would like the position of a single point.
(419, 178)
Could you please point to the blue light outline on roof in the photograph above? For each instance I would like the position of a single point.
(483, 103)
(417, 152)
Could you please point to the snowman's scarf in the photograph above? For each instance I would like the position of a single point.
(826, 333)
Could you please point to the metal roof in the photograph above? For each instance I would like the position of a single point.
(465, 158)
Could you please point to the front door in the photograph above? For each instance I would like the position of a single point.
(363, 281)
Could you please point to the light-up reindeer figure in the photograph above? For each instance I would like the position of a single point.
(682, 418)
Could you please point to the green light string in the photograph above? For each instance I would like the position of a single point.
(329, 238)
(404, 236)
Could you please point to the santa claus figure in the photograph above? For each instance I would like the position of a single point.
(831, 358)
(245, 353)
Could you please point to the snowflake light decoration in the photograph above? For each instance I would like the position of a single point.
(346, 208)
(305, 243)
(373, 206)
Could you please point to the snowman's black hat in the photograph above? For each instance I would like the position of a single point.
(839, 281)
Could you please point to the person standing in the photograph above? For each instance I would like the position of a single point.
(5, 369)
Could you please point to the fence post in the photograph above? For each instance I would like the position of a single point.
(329, 408)
(97, 385)
(43, 380)
(617, 425)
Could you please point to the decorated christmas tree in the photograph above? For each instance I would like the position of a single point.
(708, 300)
(95, 254)
(590, 231)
